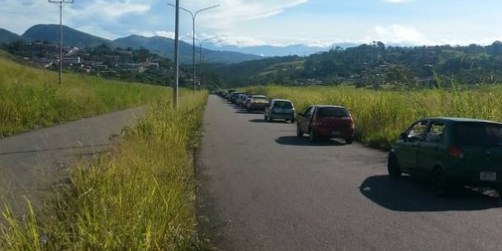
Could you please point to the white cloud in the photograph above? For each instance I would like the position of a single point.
(167, 34)
(399, 34)
(110, 9)
(240, 41)
(231, 13)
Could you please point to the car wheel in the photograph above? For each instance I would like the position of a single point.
(299, 132)
(349, 141)
(265, 117)
(441, 187)
(293, 121)
(312, 136)
(392, 167)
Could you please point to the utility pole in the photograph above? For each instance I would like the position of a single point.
(176, 55)
(61, 4)
(201, 59)
(194, 15)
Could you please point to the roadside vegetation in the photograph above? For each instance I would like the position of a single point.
(140, 197)
(380, 115)
(31, 98)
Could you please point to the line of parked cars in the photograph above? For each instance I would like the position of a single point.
(318, 121)
(452, 152)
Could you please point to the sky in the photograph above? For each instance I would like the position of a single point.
(273, 22)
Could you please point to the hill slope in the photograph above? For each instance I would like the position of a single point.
(7, 36)
(160, 45)
(71, 37)
(165, 47)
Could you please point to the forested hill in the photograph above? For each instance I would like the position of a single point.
(374, 64)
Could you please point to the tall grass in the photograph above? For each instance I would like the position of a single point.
(380, 115)
(31, 98)
(141, 197)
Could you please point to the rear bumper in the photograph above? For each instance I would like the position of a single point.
(343, 133)
(474, 177)
(257, 106)
(282, 116)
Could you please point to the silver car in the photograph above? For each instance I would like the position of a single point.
(280, 109)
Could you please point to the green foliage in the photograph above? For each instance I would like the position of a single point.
(31, 98)
(141, 197)
(373, 65)
(381, 115)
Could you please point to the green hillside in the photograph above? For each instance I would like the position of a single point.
(374, 65)
(32, 98)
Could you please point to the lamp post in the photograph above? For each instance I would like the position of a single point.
(176, 55)
(61, 4)
(194, 15)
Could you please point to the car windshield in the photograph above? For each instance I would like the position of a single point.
(283, 104)
(336, 112)
(479, 134)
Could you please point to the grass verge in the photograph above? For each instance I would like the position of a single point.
(380, 115)
(31, 98)
(141, 197)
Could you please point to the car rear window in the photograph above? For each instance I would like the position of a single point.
(283, 104)
(479, 134)
(336, 112)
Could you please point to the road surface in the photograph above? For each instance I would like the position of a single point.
(31, 162)
(262, 188)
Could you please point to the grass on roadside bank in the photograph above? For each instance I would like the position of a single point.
(142, 197)
(380, 115)
(32, 98)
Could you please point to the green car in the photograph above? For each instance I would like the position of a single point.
(452, 152)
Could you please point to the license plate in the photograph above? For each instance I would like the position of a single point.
(488, 176)
(335, 133)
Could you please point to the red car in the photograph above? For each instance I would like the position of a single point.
(326, 121)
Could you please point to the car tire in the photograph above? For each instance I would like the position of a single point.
(312, 136)
(299, 132)
(393, 167)
(293, 121)
(349, 141)
(441, 187)
(265, 117)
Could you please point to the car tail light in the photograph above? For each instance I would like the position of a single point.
(455, 152)
(351, 121)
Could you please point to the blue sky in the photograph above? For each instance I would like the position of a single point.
(275, 22)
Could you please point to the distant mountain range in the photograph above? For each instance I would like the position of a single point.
(280, 51)
(212, 52)
(160, 45)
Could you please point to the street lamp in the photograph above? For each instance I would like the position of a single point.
(176, 55)
(194, 15)
(61, 4)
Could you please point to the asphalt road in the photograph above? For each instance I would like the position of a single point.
(262, 188)
(30, 163)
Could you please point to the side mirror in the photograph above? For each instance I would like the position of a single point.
(403, 136)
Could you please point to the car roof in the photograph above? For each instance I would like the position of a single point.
(279, 99)
(259, 96)
(337, 106)
(456, 119)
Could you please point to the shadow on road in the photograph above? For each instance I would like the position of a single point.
(410, 194)
(304, 141)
